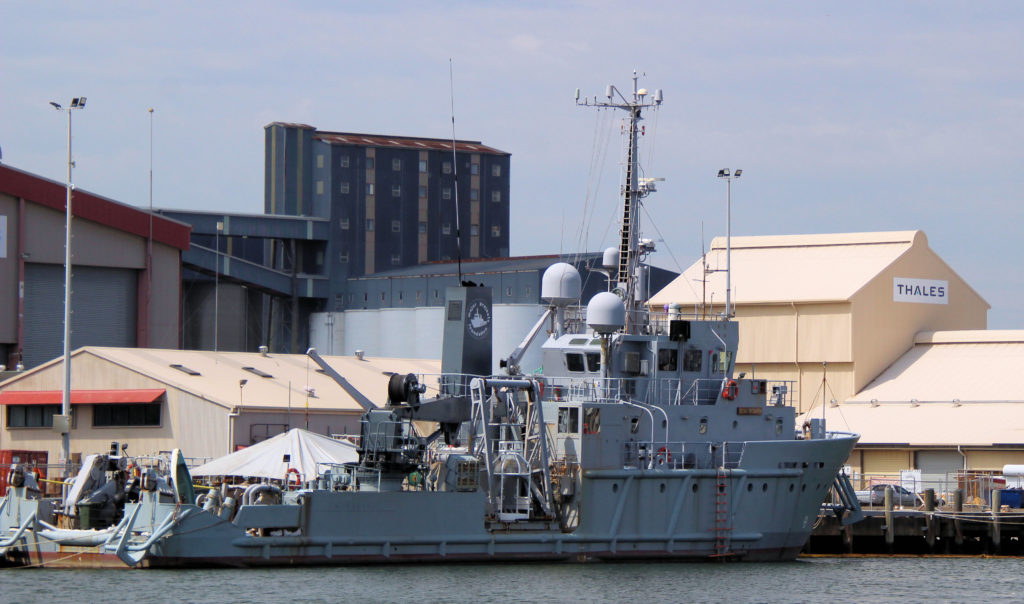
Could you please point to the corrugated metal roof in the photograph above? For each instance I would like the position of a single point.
(215, 376)
(947, 365)
(405, 142)
(929, 424)
(790, 268)
(81, 397)
(479, 266)
(952, 387)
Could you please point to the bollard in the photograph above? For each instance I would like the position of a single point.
(997, 538)
(890, 532)
(929, 519)
(958, 507)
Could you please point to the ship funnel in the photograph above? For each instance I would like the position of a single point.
(606, 313)
(561, 284)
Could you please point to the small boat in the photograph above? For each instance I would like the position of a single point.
(636, 441)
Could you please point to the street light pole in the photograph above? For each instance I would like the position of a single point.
(65, 408)
(728, 236)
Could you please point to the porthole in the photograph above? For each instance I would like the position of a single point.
(735, 424)
(803, 488)
(721, 488)
(615, 487)
(764, 487)
(694, 487)
(791, 487)
(750, 486)
(661, 488)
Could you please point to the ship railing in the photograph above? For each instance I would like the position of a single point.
(656, 322)
(661, 391)
(975, 488)
(683, 455)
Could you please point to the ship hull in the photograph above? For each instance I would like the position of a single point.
(763, 510)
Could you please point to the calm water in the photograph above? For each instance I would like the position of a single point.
(809, 580)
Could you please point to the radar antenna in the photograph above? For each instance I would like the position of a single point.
(634, 189)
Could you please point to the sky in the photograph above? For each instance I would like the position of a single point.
(844, 116)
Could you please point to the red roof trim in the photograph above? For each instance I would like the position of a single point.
(80, 397)
(85, 205)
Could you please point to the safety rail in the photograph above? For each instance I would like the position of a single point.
(662, 391)
(683, 455)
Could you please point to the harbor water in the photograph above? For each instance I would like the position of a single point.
(868, 579)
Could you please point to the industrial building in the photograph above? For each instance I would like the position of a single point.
(386, 307)
(944, 406)
(205, 403)
(126, 271)
(337, 206)
(827, 312)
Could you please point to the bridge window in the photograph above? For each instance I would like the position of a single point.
(574, 362)
(593, 362)
(668, 359)
(692, 360)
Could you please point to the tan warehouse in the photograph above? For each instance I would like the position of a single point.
(853, 300)
(205, 403)
(951, 403)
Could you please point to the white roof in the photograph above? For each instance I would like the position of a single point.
(790, 268)
(285, 376)
(266, 459)
(951, 388)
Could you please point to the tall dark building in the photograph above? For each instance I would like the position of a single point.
(390, 200)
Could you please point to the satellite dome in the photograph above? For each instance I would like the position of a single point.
(610, 259)
(561, 284)
(606, 313)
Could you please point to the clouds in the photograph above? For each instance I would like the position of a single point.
(873, 116)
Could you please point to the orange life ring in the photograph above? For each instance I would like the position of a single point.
(664, 456)
(730, 390)
(298, 477)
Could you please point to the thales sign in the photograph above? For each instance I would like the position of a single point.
(922, 291)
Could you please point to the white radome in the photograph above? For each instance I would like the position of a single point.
(606, 313)
(561, 284)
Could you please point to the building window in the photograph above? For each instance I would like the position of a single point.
(396, 190)
(496, 230)
(343, 257)
(396, 259)
(446, 167)
(446, 229)
(320, 160)
(319, 187)
(496, 196)
(446, 193)
(344, 161)
(344, 187)
(474, 169)
(423, 166)
(396, 164)
(369, 188)
(369, 224)
(495, 169)
(419, 296)
(528, 290)
(474, 230)
(423, 227)
(133, 414)
(422, 191)
(382, 297)
(369, 163)
(508, 292)
(344, 224)
(474, 194)
(435, 294)
(32, 416)
(396, 226)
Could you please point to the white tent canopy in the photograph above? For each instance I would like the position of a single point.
(266, 459)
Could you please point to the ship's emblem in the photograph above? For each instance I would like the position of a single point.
(478, 319)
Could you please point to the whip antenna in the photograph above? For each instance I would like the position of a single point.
(455, 172)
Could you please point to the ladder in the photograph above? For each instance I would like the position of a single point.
(722, 515)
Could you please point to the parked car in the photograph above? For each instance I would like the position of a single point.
(900, 496)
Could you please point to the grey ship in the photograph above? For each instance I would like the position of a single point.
(635, 442)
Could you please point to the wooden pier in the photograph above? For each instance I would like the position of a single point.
(953, 529)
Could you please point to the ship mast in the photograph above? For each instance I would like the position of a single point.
(628, 285)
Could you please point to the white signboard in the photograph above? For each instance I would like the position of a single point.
(3, 236)
(921, 291)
